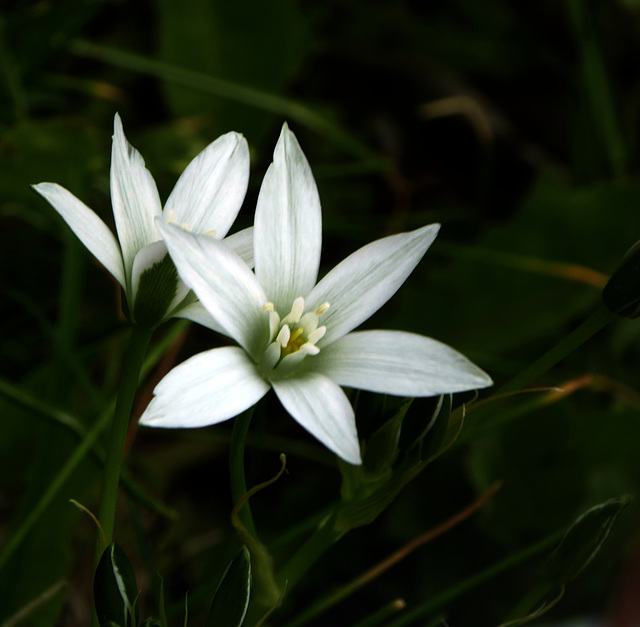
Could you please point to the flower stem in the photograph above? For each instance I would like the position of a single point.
(324, 537)
(236, 468)
(598, 319)
(138, 343)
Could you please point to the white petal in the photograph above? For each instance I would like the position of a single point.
(210, 191)
(197, 313)
(223, 283)
(358, 286)
(395, 362)
(242, 244)
(89, 228)
(211, 387)
(288, 225)
(323, 409)
(134, 197)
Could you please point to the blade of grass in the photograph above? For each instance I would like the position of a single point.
(88, 443)
(420, 611)
(214, 86)
(594, 81)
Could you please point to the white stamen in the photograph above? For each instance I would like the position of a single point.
(309, 322)
(284, 336)
(316, 335)
(296, 311)
(293, 337)
(309, 349)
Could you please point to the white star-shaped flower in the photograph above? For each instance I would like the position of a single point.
(205, 200)
(294, 335)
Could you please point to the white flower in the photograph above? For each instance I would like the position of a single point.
(206, 200)
(295, 335)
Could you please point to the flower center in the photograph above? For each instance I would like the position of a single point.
(293, 337)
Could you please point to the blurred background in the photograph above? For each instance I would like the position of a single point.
(513, 124)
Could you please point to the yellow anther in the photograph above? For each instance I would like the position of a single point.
(268, 307)
(322, 309)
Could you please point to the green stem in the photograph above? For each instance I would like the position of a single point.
(433, 604)
(593, 76)
(235, 92)
(324, 537)
(236, 468)
(52, 491)
(138, 343)
(598, 319)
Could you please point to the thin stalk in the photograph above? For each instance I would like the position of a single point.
(593, 76)
(324, 537)
(236, 468)
(53, 489)
(377, 618)
(205, 83)
(349, 588)
(410, 616)
(138, 343)
(594, 323)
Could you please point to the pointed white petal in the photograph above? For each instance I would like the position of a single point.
(242, 243)
(323, 409)
(134, 196)
(89, 228)
(358, 286)
(395, 362)
(211, 387)
(210, 191)
(223, 283)
(288, 225)
(197, 313)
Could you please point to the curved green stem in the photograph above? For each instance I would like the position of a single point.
(236, 468)
(138, 343)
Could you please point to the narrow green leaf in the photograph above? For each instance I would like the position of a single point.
(583, 540)
(115, 589)
(382, 446)
(157, 288)
(231, 598)
(622, 293)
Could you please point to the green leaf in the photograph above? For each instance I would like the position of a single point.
(157, 288)
(231, 598)
(622, 293)
(583, 540)
(115, 589)
(382, 446)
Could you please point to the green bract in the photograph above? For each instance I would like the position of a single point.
(205, 200)
(295, 335)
